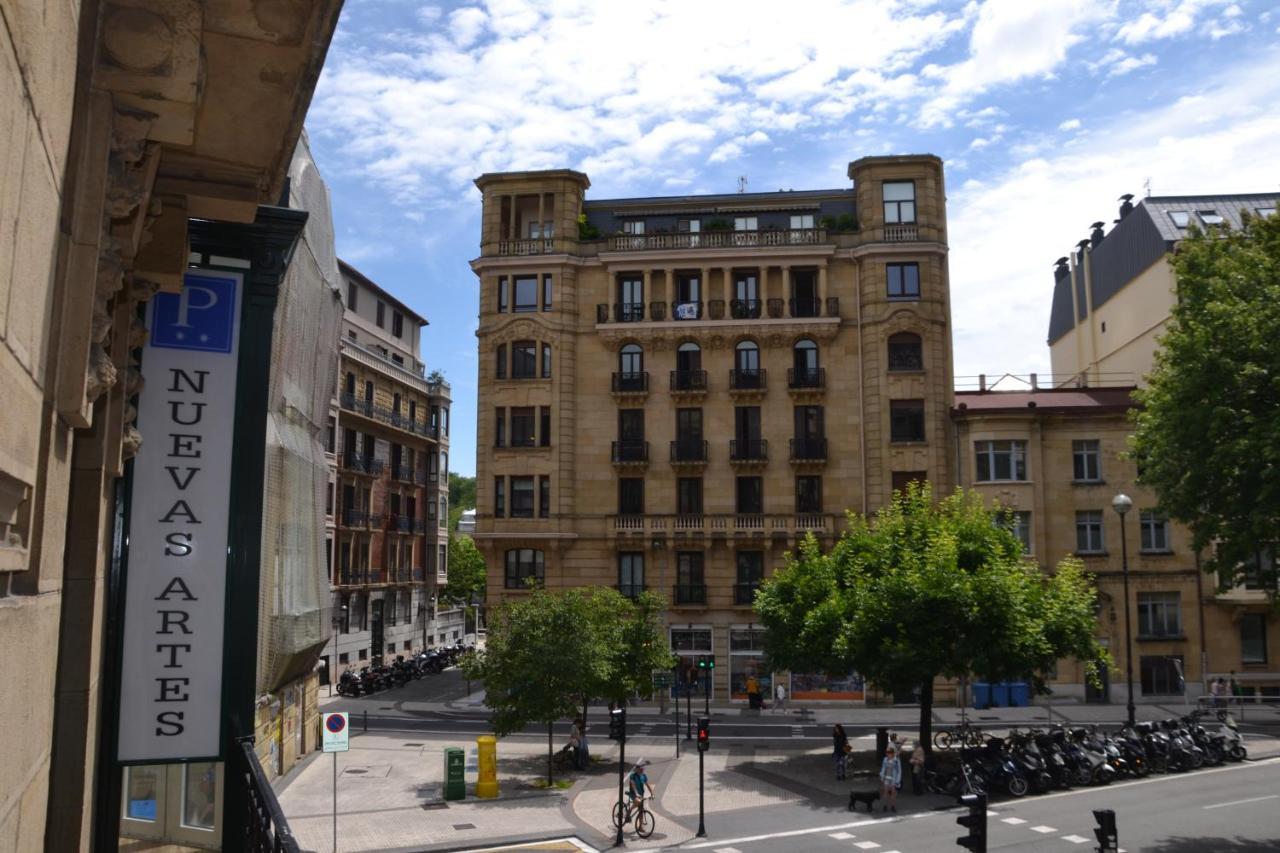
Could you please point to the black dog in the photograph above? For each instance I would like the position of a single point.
(867, 798)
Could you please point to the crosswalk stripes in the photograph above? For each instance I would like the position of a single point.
(865, 845)
(842, 836)
(1043, 830)
(1074, 839)
(1013, 821)
(726, 850)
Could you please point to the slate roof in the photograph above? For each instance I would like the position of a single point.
(1049, 400)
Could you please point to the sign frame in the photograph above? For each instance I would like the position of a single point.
(335, 731)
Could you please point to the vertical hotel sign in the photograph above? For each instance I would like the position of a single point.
(175, 589)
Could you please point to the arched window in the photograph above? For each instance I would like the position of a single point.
(631, 375)
(688, 375)
(746, 366)
(905, 352)
(523, 564)
(805, 371)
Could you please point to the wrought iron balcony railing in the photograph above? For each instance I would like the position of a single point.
(750, 450)
(689, 380)
(747, 380)
(689, 450)
(630, 383)
(629, 451)
(691, 593)
(806, 377)
(808, 449)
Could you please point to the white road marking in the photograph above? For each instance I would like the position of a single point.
(727, 850)
(1074, 839)
(1242, 802)
(842, 836)
(1043, 829)
(791, 833)
(865, 845)
(1013, 821)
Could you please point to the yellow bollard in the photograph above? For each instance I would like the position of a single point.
(487, 783)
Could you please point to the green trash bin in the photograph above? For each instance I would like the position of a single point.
(455, 768)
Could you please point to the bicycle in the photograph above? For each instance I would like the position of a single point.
(623, 813)
(964, 734)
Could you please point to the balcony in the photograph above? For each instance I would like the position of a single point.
(805, 308)
(361, 465)
(419, 525)
(806, 381)
(631, 590)
(746, 309)
(901, 233)
(632, 527)
(356, 519)
(420, 574)
(367, 409)
(534, 246)
(630, 384)
(623, 312)
(403, 473)
(750, 452)
(747, 383)
(689, 452)
(690, 593)
(399, 524)
(811, 451)
(744, 594)
(688, 383)
(686, 310)
(717, 239)
(629, 453)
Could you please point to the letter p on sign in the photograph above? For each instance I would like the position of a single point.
(334, 732)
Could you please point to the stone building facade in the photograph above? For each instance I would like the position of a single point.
(674, 391)
(1056, 458)
(389, 486)
(121, 123)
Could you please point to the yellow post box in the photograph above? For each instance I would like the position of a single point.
(487, 782)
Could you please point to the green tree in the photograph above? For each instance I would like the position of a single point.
(468, 574)
(1208, 438)
(462, 497)
(924, 590)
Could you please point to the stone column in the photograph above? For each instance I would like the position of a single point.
(786, 288)
(822, 289)
(671, 291)
(511, 219)
(542, 197)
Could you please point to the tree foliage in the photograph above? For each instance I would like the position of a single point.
(923, 590)
(548, 653)
(467, 570)
(1208, 437)
(462, 497)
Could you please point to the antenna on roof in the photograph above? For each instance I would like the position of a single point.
(742, 183)
(1146, 185)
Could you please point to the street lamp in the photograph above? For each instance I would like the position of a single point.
(1121, 503)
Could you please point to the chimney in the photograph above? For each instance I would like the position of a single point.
(1060, 268)
(1126, 206)
(1096, 237)
(1082, 244)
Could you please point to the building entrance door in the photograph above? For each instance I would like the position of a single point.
(375, 631)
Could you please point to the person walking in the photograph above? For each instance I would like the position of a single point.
(583, 754)
(1237, 693)
(753, 692)
(890, 779)
(840, 749)
(917, 769)
(1217, 691)
(780, 698)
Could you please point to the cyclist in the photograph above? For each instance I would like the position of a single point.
(638, 782)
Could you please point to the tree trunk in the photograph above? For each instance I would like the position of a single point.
(926, 719)
(551, 757)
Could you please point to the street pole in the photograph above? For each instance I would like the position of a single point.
(622, 762)
(702, 827)
(676, 681)
(1121, 504)
(335, 802)
(688, 711)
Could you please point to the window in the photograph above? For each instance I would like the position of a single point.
(631, 573)
(802, 221)
(750, 573)
(1089, 531)
(396, 358)
(522, 497)
(746, 301)
(630, 306)
(522, 427)
(804, 362)
(746, 223)
(1210, 217)
(1180, 218)
(544, 426)
(631, 496)
(750, 495)
(352, 296)
(1019, 524)
(905, 352)
(689, 496)
(524, 565)
(500, 427)
(381, 317)
(499, 497)
(808, 494)
(691, 587)
(633, 226)
(906, 420)
(1154, 531)
(397, 324)
(544, 496)
(1160, 675)
(1000, 460)
(444, 512)
(502, 293)
(524, 360)
(631, 369)
(631, 426)
(1253, 638)
(179, 803)
(444, 465)
(351, 333)
(1086, 457)
(526, 294)
(1264, 212)
(331, 435)
(1159, 614)
(546, 361)
(899, 202)
(900, 481)
(904, 280)
(546, 292)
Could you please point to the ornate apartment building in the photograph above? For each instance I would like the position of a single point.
(675, 391)
(389, 485)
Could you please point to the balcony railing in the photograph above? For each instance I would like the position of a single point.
(745, 309)
(808, 449)
(715, 309)
(355, 518)
(657, 311)
(717, 525)
(404, 473)
(689, 450)
(419, 525)
(631, 590)
(630, 383)
(805, 306)
(900, 233)
(535, 246)
(686, 310)
(420, 573)
(691, 593)
(806, 377)
(265, 827)
(628, 312)
(689, 381)
(747, 380)
(745, 593)
(717, 239)
(400, 523)
(362, 464)
(391, 417)
(629, 451)
(751, 450)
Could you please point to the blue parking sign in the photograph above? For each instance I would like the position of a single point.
(200, 317)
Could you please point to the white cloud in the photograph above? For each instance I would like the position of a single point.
(1131, 63)
(1070, 124)
(1170, 18)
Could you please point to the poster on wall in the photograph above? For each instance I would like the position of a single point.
(819, 687)
(175, 580)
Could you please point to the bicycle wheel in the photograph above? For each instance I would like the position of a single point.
(942, 739)
(619, 813)
(644, 823)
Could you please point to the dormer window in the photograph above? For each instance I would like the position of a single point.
(1264, 212)
(1210, 217)
(1180, 218)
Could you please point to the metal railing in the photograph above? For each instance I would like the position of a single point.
(805, 306)
(355, 518)
(630, 383)
(748, 380)
(266, 829)
(750, 450)
(402, 472)
(689, 380)
(806, 377)
(629, 451)
(808, 448)
(362, 464)
(691, 593)
(628, 312)
(745, 593)
(631, 590)
(717, 239)
(745, 309)
(689, 450)
(686, 310)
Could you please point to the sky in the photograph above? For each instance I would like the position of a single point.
(1043, 111)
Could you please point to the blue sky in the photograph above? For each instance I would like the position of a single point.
(1044, 112)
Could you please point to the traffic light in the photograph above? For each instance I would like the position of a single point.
(975, 821)
(704, 733)
(706, 662)
(618, 724)
(1108, 839)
